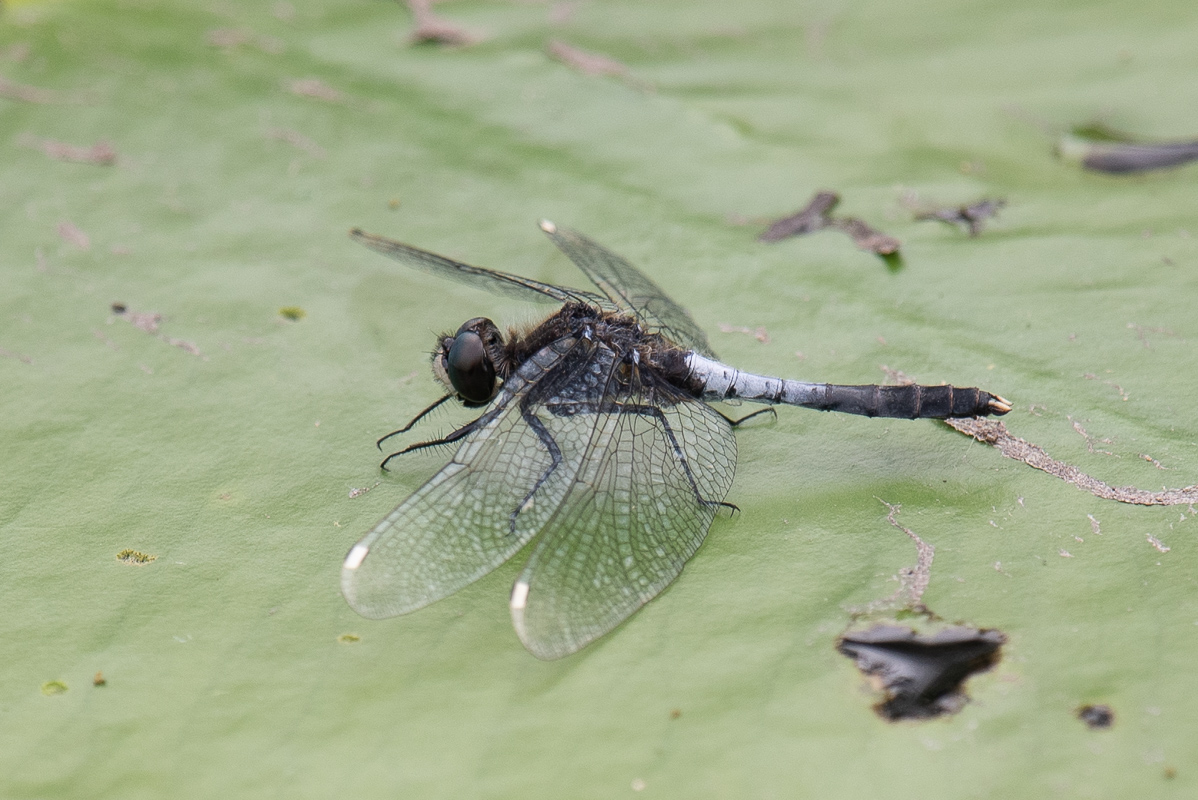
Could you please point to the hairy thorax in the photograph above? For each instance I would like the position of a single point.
(652, 355)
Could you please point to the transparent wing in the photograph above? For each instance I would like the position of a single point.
(503, 484)
(630, 289)
(478, 277)
(640, 505)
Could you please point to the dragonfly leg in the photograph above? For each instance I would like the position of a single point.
(737, 422)
(466, 429)
(555, 456)
(415, 419)
(659, 415)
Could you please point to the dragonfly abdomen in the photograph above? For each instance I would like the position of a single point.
(717, 381)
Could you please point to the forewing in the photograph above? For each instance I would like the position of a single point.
(639, 507)
(478, 277)
(498, 491)
(630, 289)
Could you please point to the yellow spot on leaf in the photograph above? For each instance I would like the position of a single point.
(130, 556)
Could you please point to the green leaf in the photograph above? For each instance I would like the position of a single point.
(226, 435)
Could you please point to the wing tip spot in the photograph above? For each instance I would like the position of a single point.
(356, 556)
(519, 596)
(548, 226)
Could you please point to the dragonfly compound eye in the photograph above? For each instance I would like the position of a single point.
(470, 369)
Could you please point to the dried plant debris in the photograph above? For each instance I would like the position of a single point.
(1160, 546)
(297, 140)
(432, 29)
(895, 376)
(149, 321)
(759, 333)
(72, 234)
(316, 89)
(1096, 717)
(562, 11)
(1123, 395)
(101, 153)
(136, 557)
(24, 359)
(361, 490)
(586, 62)
(1100, 148)
(971, 217)
(231, 38)
(920, 673)
(809, 219)
(99, 680)
(27, 94)
(914, 580)
(994, 433)
(1142, 332)
(17, 52)
(595, 64)
(866, 238)
(817, 215)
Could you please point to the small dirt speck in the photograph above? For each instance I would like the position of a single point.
(1096, 717)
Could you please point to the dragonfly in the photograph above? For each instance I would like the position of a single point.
(596, 448)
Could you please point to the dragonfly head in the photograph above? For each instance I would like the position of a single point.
(467, 361)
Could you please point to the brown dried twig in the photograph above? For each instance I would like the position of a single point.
(297, 140)
(148, 321)
(27, 94)
(993, 432)
(865, 237)
(101, 153)
(71, 233)
(590, 63)
(817, 215)
(316, 89)
(759, 333)
(810, 218)
(432, 29)
(971, 217)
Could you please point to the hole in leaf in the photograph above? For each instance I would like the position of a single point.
(920, 675)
